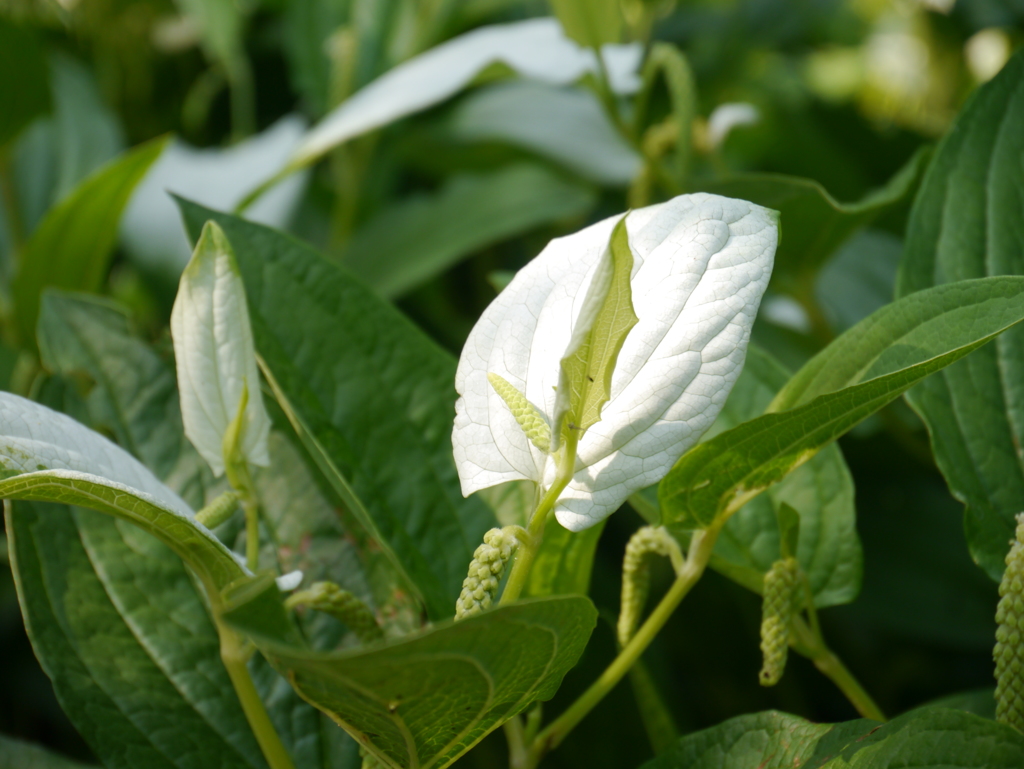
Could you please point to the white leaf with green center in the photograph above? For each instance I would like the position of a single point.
(701, 265)
(535, 49)
(215, 356)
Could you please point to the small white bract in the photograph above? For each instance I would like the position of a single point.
(701, 265)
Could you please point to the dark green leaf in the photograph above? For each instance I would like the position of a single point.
(966, 223)
(15, 753)
(116, 623)
(814, 223)
(372, 400)
(426, 699)
(564, 562)
(24, 80)
(929, 738)
(73, 244)
(412, 241)
(859, 279)
(859, 373)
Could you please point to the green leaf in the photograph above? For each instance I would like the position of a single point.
(966, 223)
(26, 756)
(859, 279)
(930, 738)
(606, 317)
(73, 244)
(135, 398)
(815, 223)
(821, 491)
(591, 23)
(564, 562)
(424, 700)
(372, 402)
(24, 80)
(115, 621)
(414, 240)
(860, 372)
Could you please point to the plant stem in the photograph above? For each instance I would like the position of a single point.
(252, 532)
(701, 545)
(235, 656)
(527, 550)
(518, 756)
(812, 645)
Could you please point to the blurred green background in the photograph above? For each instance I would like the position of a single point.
(437, 209)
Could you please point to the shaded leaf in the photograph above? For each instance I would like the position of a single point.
(27, 756)
(965, 224)
(426, 699)
(24, 80)
(371, 400)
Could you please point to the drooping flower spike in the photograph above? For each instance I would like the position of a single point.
(701, 264)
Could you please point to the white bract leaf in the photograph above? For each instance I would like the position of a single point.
(536, 49)
(217, 178)
(727, 117)
(701, 265)
(564, 124)
(215, 355)
(34, 438)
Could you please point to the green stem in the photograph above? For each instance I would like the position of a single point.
(812, 645)
(235, 655)
(243, 98)
(518, 756)
(527, 551)
(701, 545)
(252, 532)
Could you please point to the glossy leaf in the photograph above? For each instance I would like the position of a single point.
(930, 738)
(424, 700)
(565, 125)
(860, 372)
(535, 49)
(71, 248)
(24, 80)
(965, 224)
(816, 223)
(412, 241)
(701, 266)
(371, 401)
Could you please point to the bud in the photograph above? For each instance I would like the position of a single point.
(636, 574)
(343, 606)
(1009, 651)
(780, 584)
(480, 587)
(218, 511)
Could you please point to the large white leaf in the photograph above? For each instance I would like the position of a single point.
(701, 265)
(536, 49)
(218, 178)
(564, 124)
(34, 438)
(215, 355)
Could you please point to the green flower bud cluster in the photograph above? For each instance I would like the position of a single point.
(480, 587)
(780, 591)
(218, 511)
(1009, 651)
(343, 606)
(636, 574)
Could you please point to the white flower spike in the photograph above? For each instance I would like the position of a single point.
(215, 356)
(700, 266)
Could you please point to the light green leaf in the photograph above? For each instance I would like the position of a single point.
(585, 383)
(24, 80)
(414, 240)
(215, 356)
(816, 224)
(591, 23)
(565, 125)
(929, 738)
(821, 491)
(72, 246)
(371, 400)
(966, 223)
(424, 700)
(860, 372)
(15, 753)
